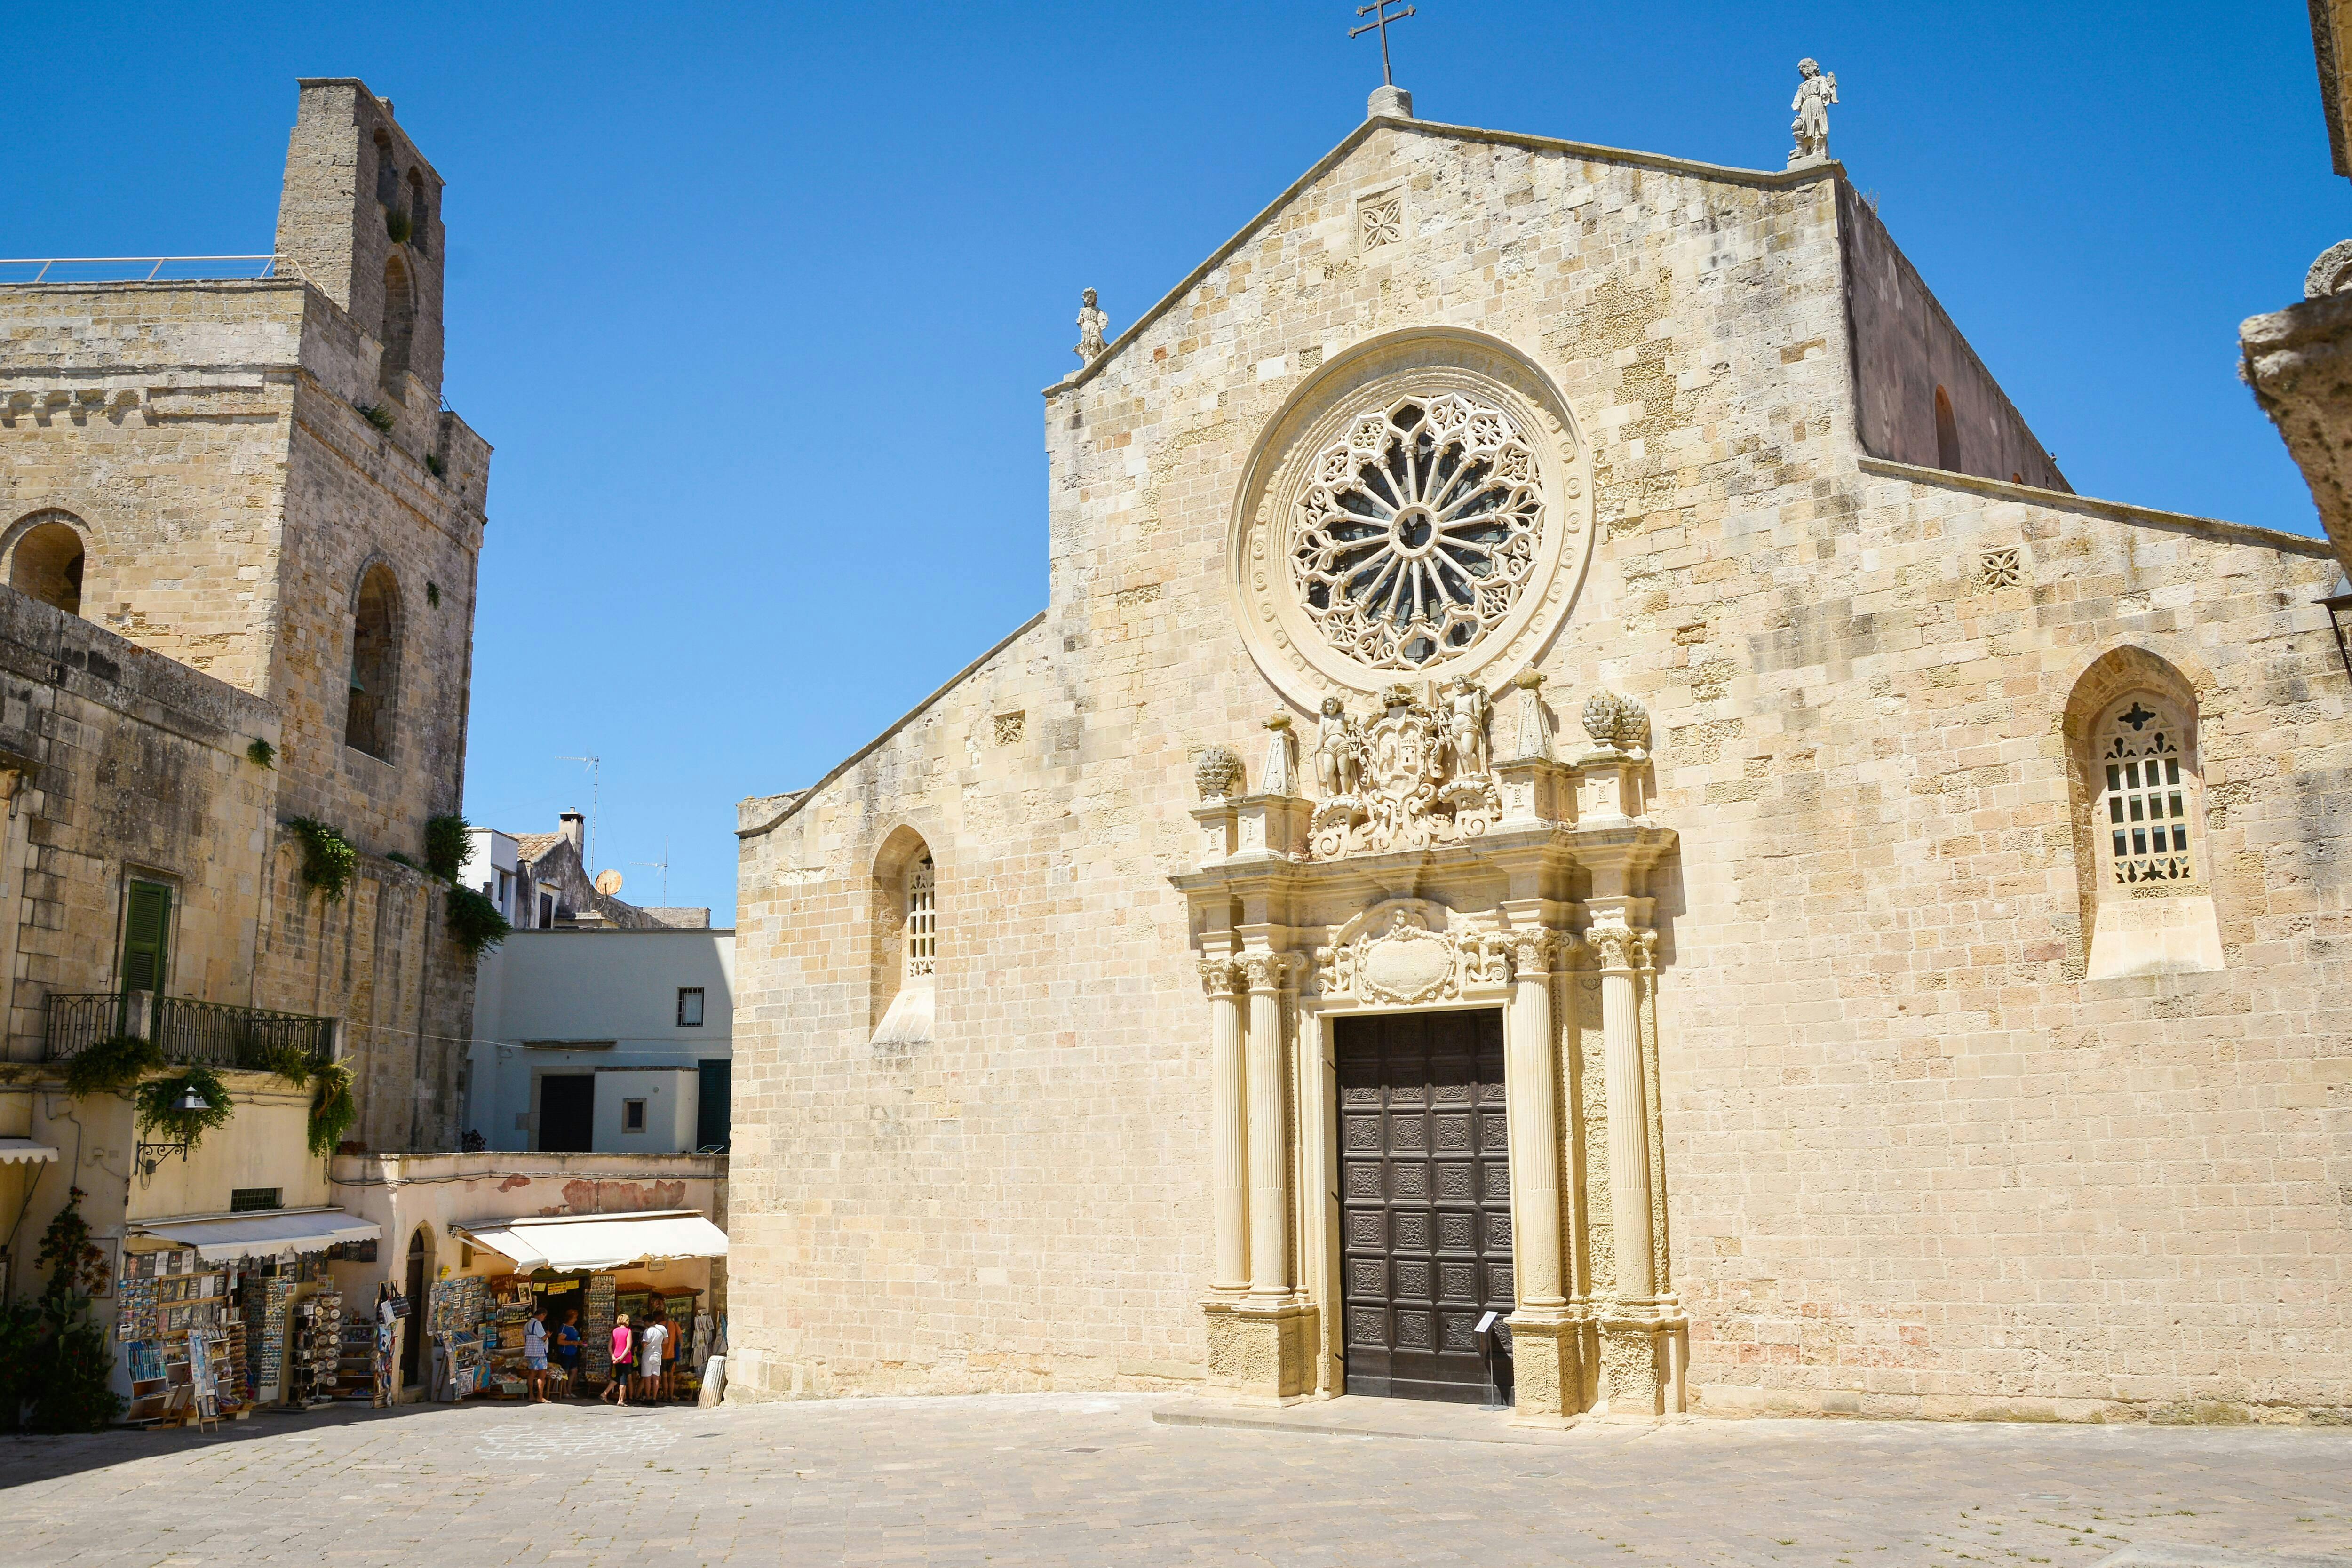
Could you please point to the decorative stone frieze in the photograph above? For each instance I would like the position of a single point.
(1421, 770)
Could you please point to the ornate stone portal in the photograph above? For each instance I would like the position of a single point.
(1429, 875)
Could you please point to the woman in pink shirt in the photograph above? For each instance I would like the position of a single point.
(623, 1352)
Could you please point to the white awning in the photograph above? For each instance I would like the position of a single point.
(260, 1235)
(571, 1243)
(13, 1150)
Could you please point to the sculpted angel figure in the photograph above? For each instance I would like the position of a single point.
(1338, 750)
(1815, 93)
(1467, 710)
(1091, 322)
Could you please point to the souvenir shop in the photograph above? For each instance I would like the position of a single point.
(598, 1267)
(217, 1317)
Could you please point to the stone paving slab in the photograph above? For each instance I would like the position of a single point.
(1095, 1480)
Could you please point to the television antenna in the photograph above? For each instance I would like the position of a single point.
(662, 866)
(595, 788)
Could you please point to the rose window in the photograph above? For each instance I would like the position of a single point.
(1418, 532)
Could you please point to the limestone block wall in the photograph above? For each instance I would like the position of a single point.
(156, 415)
(1915, 1162)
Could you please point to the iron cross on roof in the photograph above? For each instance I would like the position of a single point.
(1380, 18)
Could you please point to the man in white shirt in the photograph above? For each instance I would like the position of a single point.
(654, 1342)
(534, 1355)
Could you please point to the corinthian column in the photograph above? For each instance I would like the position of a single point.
(1534, 1123)
(1228, 1126)
(1629, 1118)
(1269, 1199)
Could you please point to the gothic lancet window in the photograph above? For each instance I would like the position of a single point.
(906, 942)
(922, 933)
(2144, 808)
(399, 322)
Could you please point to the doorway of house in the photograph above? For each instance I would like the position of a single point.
(1425, 1204)
(412, 1334)
(567, 1113)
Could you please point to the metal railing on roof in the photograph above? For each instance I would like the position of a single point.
(211, 1033)
(145, 269)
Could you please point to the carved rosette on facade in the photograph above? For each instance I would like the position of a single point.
(1418, 775)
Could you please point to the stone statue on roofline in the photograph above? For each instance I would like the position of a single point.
(1816, 90)
(1091, 322)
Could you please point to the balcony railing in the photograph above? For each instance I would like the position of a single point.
(211, 1033)
(145, 269)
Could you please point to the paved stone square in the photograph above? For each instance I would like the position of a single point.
(1047, 1478)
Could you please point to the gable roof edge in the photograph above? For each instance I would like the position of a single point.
(1323, 165)
(916, 712)
(2219, 530)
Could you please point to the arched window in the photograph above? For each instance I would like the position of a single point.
(375, 664)
(416, 211)
(1948, 433)
(906, 942)
(387, 171)
(2144, 876)
(399, 322)
(46, 564)
(2145, 806)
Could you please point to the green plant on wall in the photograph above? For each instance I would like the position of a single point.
(53, 1360)
(328, 857)
(291, 1063)
(395, 224)
(162, 1109)
(445, 845)
(377, 414)
(475, 922)
(112, 1066)
(332, 1110)
(261, 754)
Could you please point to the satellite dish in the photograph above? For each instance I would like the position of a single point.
(608, 881)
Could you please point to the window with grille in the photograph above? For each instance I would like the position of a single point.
(689, 1007)
(2145, 809)
(245, 1200)
(922, 918)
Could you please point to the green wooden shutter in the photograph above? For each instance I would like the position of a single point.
(145, 931)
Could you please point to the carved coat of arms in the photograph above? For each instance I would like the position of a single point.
(1419, 774)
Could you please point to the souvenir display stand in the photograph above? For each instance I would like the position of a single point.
(183, 1341)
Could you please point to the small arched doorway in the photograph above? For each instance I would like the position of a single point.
(412, 1337)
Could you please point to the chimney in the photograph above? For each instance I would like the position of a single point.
(572, 821)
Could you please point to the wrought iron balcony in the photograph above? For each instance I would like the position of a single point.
(211, 1033)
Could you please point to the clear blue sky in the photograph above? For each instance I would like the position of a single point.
(756, 302)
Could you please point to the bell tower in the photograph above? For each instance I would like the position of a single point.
(361, 215)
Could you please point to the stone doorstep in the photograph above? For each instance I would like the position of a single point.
(1357, 1415)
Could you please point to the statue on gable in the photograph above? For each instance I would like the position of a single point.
(1091, 322)
(1338, 750)
(1816, 90)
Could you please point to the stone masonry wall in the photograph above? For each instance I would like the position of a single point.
(1915, 1164)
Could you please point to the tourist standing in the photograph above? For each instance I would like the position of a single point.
(649, 1354)
(534, 1355)
(567, 1350)
(624, 1359)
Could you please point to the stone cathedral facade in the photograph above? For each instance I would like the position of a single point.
(1588, 818)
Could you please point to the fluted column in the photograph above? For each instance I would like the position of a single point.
(1534, 1122)
(1269, 1199)
(1629, 1118)
(1228, 1125)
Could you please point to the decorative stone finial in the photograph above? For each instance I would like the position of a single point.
(1217, 772)
(1389, 102)
(1617, 721)
(1091, 322)
(1816, 90)
(1534, 738)
(1281, 772)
